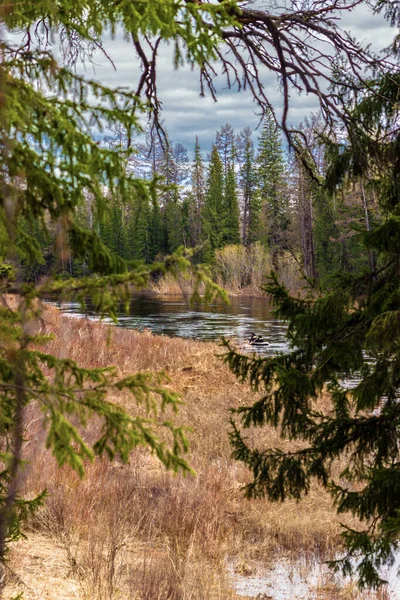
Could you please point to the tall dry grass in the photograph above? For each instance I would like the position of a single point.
(243, 270)
(239, 270)
(135, 531)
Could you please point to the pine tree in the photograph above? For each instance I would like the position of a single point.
(155, 226)
(168, 170)
(254, 229)
(164, 171)
(50, 163)
(50, 166)
(112, 228)
(174, 224)
(138, 230)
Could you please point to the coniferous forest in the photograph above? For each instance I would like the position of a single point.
(249, 193)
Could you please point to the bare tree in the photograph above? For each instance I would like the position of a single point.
(301, 42)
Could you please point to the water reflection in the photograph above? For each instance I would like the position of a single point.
(175, 317)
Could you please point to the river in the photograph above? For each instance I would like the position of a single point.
(173, 316)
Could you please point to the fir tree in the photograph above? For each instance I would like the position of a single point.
(167, 175)
(112, 227)
(138, 230)
(174, 224)
(50, 163)
(155, 225)
(167, 169)
(254, 229)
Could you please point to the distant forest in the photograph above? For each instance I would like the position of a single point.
(241, 200)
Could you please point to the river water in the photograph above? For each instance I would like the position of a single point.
(173, 316)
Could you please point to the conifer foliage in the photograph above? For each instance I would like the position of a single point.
(214, 213)
(345, 347)
(271, 184)
(51, 167)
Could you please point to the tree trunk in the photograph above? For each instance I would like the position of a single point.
(306, 225)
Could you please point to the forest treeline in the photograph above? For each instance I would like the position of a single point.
(243, 200)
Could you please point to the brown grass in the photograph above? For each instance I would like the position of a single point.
(134, 531)
(240, 271)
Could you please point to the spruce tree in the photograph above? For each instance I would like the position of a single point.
(138, 230)
(254, 228)
(197, 196)
(50, 167)
(155, 225)
(168, 171)
(50, 164)
(174, 224)
(336, 393)
(247, 179)
(225, 143)
(213, 214)
(271, 186)
(231, 233)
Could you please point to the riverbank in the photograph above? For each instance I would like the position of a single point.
(240, 271)
(134, 531)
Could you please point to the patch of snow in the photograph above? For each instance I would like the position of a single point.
(303, 580)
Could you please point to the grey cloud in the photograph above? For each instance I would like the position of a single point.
(186, 114)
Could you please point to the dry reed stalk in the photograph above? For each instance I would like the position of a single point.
(124, 526)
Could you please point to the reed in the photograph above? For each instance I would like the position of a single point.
(135, 531)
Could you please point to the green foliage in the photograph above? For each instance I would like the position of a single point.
(196, 200)
(213, 214)
(343, 348)
(247, 180)
(52, 169)
(69, 206)
(138, 231)
(254, 218)
(231, 233)
(173, 224)
(271, 185)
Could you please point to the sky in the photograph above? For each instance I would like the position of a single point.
(186, 114)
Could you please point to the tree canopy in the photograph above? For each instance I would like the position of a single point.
(344, 346)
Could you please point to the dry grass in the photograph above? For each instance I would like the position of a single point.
(134, 531)
(240, 271)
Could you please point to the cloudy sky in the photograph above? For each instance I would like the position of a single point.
(186, 114)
